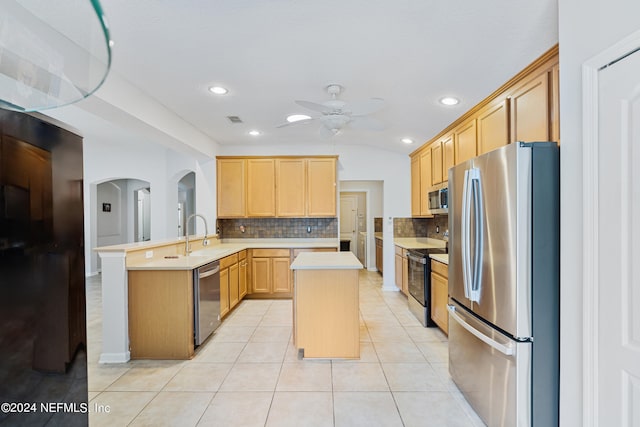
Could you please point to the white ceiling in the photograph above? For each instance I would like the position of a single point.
(269, 53)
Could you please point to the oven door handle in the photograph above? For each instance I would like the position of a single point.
(420, 260)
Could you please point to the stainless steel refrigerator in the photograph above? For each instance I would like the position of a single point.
(504, 283)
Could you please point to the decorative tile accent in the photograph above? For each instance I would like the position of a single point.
(421, 227)
(257, 228)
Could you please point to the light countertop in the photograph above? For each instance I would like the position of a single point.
(220, 250)
(326, 261)
(418, 242)
(443, 258)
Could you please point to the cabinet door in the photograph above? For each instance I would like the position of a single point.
(290, 187)
(465, 139)
(493, 126)
(415, 186)
(530, 110)
(281, 275)
(439, 294)
(555, 104)
(261, 187)
(379, 255)
(234, 282)
(398, 272)
(405, 274)
(260, 275)
(231, 188)
(224, 291)
(425, 180)
(436, 163)
(242, 279)
(447, 156)
(321, 187)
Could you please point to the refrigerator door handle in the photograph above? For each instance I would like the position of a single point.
(502, 348)
(478, 219)
(464, 234)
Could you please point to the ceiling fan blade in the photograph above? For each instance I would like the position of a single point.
(297, 122)
(362, 108)
(366, 123)
(314, 106)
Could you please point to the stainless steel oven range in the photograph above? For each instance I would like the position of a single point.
(419, 297)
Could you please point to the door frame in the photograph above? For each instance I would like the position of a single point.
(590, 205)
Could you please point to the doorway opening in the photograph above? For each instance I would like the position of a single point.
(186, 203)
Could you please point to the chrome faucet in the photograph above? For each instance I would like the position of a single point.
(187, 247)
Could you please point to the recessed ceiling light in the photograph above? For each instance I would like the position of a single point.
(407, 140)
(297, 117)
(255, 133)
(449, 100)
(218, 90)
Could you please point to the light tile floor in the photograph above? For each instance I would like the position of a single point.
(249, 374)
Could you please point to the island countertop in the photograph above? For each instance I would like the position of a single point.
(326, 261)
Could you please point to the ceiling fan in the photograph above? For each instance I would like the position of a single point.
(337, 114)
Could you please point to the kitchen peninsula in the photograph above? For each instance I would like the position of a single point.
(326, 305)
(167, 255)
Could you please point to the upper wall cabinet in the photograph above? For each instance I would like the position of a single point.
(415, 186)
(493, 125)
(465, 141)
(231, 188)
(526, 108)
(291, 183)
(321, 187)
(277, 187)
(261, 187)
(530, 110)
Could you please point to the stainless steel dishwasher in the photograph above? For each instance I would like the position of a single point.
(206, 300)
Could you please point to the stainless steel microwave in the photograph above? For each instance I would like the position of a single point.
(438, 197)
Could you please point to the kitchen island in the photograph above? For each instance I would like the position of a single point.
(325, 305)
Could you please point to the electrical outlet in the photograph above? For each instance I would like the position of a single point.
(148, 254)
(205, 242)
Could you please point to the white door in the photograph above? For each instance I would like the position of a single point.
(617, 362)
(349, 221)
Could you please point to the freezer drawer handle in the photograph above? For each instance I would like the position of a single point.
(504, 349)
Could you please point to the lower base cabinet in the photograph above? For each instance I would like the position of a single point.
(270, 274)
(379, 255)
(229, 283)
(440, 294)
(161, 314)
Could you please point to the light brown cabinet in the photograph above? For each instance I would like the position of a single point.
(436, 163)
(261, 188)
(440, 294)
(231, 187)
(321, 187)
(416, 203)
(291, 188)
(465, 140)
(425, 180)
(160, 308)
(276, 187)
(270, 274)
(402, 270)
(379, 255)
(530, 110)
(526, 108)
(493, 125)
(242, 274)
(448, 156)
(306, 187)
(229, 283)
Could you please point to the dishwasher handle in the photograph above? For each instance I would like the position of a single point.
(209, 273)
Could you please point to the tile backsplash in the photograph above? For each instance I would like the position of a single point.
(421, 227)
(377, 225)
(257, 228)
